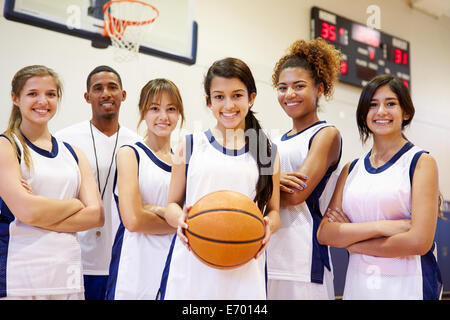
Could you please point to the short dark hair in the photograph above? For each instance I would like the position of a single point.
(397, 86)
(102, 69)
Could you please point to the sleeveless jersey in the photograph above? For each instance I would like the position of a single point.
(34, 261)
(138, 259)
(210, 168)
(384, 193)
(293, 252)
(96, 243)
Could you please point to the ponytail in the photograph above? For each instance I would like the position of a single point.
(262, 153)
(15, 119)
(257, 140)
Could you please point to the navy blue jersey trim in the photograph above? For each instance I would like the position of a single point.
(189, 150)
(286, 137)
(352, 165)
(69, 147)
(165, 275)
(6, 217)
(154, 158)
(219, 147)
(311, 139)
(389, 163)
(138, 159)
(42, 152)
(413, 165)
(19, 153)
(431, 276)
(320, 258)
(115, 257)
(116, 249)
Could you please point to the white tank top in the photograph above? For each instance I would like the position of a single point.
(35, 261)
(294, 252)
(384, 193)
(138, 259)
(212, 168)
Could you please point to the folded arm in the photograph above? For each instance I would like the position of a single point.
(424, 209)
(91, 215)
(27, 207)
(342, 233)
(136, 216)
(323, 153)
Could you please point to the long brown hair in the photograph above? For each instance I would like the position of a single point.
(15, 118)
(235, 68)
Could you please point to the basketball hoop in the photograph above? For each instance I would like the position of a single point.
(126, 23)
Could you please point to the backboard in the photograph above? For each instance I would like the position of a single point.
(172, 36)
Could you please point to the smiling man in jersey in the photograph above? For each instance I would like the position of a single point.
(100, 138)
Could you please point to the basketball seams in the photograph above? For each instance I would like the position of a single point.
(225, 241)
(227, 209)
(222, 229)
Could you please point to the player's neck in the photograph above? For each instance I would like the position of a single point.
(158, 144)
(107, 126)
(301, 123)
(40, 136)
(229, 138)
(161, 147)
(35, 132)
(384, 149)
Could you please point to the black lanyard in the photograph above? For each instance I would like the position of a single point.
(96, 160)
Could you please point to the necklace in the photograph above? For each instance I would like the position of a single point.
(96, 160)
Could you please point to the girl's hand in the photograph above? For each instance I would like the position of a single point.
(266, 239)
(290, 181)
(183, 225)
(337, 215)
(391, 227)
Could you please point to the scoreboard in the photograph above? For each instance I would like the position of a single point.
(366, 52)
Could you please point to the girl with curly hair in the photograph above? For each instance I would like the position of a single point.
(298, 266)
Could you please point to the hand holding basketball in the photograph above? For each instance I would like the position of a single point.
(266, 239)
(226, 229)
(182, 225)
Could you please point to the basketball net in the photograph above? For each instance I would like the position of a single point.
(126, 24)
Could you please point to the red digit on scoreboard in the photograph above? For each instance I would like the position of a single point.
(398, 56)
(324, 30)
(328, 31)
(332, 29)
(344, 67)
(405, 58)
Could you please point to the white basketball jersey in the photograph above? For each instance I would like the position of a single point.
(96, 243)
(293, 252)
(138, 259)
(210, 168)
(34, 261)
(384, 193)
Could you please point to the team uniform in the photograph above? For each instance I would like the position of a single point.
(138, 259)
(211, 167)
(384, 193)
(37, 263)
(96, 243)
(298, 266)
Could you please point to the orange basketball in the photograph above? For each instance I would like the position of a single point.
(225, 229)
